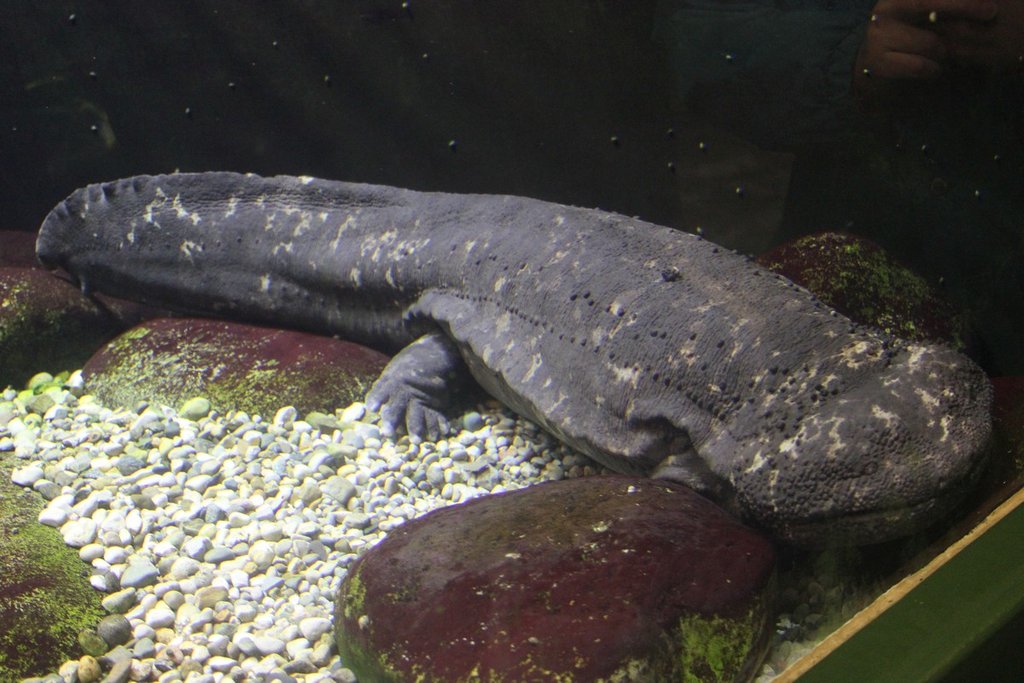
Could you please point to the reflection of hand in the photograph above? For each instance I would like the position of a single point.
(900, 43)
(997, 44)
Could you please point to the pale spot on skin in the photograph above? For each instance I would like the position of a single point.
(558, 257)
(304, 224)
(944, 423)
(916, 354)
(188, 247)
(757, 463)
(535, 364)
(836, 446)
(884, 415)
(855, 355)
(232, 207)
(349, 222)
(265, 283)
(157, 203)
(503, 324)
(773, 480)
(179, 210)
(626, 375)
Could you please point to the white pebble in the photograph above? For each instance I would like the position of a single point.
(312, 628)
(79, 532)
(159, 617)
(54, 515)
(26, 476)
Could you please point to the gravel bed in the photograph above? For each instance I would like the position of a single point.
(219, 540)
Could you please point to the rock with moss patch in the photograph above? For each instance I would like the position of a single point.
(45, 322)
(255, 369)
(600, 578)
(45, 596)
(863, 282)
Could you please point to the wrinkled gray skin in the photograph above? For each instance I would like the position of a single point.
(650, 349)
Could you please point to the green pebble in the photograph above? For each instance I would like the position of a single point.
(92, 644)
(323, 421)
(38, 380)
(39, 403)
(195, 408)
(119, 602)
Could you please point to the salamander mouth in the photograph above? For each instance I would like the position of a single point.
(882, 524)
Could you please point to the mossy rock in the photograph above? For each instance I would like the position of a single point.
(45, 322)
(592, 579)
(45, 595)
(171, 360)
(860, 280)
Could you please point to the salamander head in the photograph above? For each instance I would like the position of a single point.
(116, 236)
(884, 458)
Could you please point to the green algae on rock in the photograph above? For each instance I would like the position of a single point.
(234, 366)
(860, 280)
(45, 596)
(596, 579)
(45, 319)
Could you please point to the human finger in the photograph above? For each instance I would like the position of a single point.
(933, 11)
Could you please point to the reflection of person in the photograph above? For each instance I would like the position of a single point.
(910, 39)
(906, 122)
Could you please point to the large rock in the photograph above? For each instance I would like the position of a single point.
(1008, 417)
(238, 366)
(46, 324)
(860, 280)
(600, 578)
(18, 249)
(45, 596)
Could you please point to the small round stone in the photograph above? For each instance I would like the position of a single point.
(140, 573)
(27, 476)
(195, 408)
(114, 629)
(89, 670)
(160, 617)
(92, 644)
(79, 532)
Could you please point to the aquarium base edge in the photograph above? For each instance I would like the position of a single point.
(934, 619)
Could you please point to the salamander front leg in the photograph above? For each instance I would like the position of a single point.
(414, 389)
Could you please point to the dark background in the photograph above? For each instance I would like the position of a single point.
(532, 94)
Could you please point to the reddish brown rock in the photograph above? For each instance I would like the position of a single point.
(18, 249)
(1008, 417)
(860, 280)
(599, 578)
(46, 324)
(256, 369)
